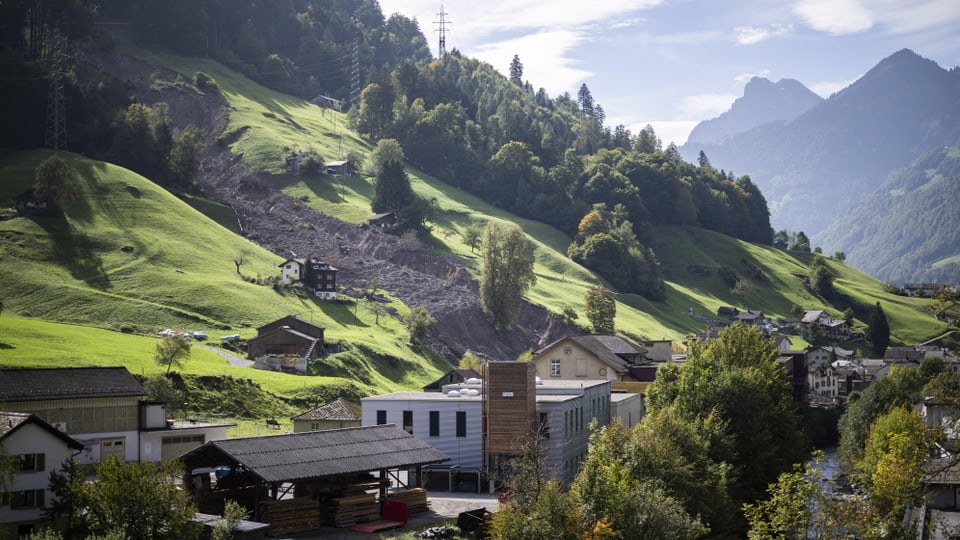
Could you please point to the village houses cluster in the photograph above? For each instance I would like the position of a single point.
(345, 461)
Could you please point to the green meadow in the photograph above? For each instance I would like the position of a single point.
(128, 255)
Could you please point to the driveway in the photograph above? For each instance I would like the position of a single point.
(232, 358)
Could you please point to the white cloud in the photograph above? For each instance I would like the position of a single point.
(544, 58)
(744, 78)
(751, 35)
(669, 131)
(703, 106)
(836, 17)
(904, 17)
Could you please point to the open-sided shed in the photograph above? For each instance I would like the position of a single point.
(330, 474)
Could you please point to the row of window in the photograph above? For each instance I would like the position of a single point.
(434, 427)
(28, 498)
(183, 439)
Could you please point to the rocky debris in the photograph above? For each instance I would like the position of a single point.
(287, 227)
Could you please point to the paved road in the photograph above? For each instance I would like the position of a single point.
(232, 358)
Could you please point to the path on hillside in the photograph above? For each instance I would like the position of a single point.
(232, 358)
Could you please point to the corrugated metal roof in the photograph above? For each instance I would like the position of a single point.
(316, 454)
(338, 410)
(67, 383)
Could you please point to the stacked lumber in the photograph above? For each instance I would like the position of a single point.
(354, 509)
(416, 499)
(291, 515)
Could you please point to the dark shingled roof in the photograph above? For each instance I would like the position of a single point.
(317, 454)
(67, 383)
(338, 410)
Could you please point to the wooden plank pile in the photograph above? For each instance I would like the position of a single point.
(416, 499)
(291, 515)
(354, 509)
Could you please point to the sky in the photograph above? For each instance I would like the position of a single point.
(673, 63)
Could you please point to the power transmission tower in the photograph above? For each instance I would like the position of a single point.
(56, 130)
(355, 74)
(441, 24)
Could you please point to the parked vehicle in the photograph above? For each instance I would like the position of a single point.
(198, 335)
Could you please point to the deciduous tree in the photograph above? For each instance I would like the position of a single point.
(506, 273)
(172, 351)
(601, 310)
(52, 181)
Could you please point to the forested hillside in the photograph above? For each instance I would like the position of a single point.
(909, 229)
(818, 166)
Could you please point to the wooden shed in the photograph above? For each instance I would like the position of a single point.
(300, 481)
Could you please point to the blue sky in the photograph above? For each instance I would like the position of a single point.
(672, 63)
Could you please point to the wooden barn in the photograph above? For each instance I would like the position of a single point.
(301, 481)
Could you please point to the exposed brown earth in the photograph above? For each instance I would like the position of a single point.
(285, 226)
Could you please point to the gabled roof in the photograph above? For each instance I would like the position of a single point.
(338, 410)
(608, 349)
(10, 422)
(35, 384)
(812, 316)
(317, 454)
(285, 330)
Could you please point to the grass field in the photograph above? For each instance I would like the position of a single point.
(129, 255)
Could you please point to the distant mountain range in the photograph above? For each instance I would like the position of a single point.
(817, 162)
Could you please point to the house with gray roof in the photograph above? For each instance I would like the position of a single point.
(602, 357)
(337, 414)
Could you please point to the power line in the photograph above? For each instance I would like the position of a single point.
(441, 25)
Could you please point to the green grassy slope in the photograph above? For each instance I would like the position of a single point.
(263, 122)
(128, 254)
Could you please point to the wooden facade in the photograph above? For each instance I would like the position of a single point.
(510, 405)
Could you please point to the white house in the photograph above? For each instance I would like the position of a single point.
(451, 421)
(38, 449)
(103, 408)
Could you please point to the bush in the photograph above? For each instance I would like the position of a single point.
(204, 82)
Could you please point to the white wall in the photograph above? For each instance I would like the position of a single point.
(31, 439)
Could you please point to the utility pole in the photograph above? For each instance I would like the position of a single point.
(355, 74)
(56, 130)
(441, 24)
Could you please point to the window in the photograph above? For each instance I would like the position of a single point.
(199, 439)
(31, 462)
(434, 423)
(408, 421)
(581, 368)
(461, 424)
(381, 417)
(314, 426)
(31, 498)
(555, 368)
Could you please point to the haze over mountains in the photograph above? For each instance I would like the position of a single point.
(817, 162)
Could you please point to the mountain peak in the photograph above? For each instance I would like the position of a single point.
(763, 101)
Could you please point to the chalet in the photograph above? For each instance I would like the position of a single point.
(383, 220)
(337, 414)
(327, 102)
(293, 161)
(28, 201)
(588, 357)
(814, 316)
(727, 312)
(103, 409)
(920, 290)
(313, 273)
(752, 318)
(454, 376)
(340, 168)
(37, 449)
(286, 344)
(782, 343)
